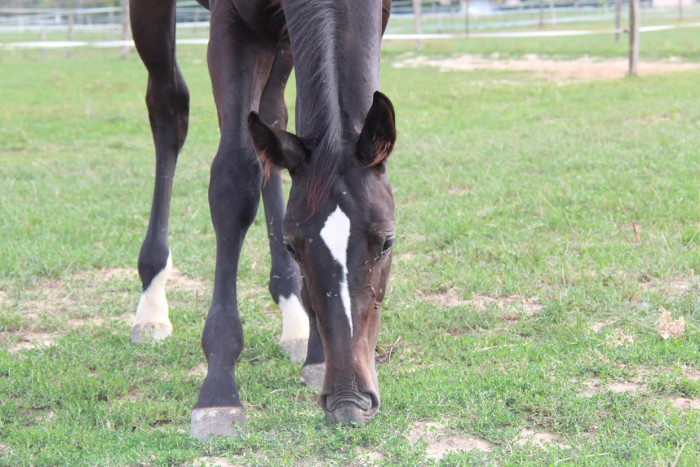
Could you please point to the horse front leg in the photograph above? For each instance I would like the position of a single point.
(239, 66)
(167, 99)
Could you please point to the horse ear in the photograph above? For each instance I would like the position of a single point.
(275, 147)
(378, 133)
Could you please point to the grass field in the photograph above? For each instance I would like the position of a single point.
(548, 240)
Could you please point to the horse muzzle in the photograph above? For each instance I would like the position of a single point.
(350, 406)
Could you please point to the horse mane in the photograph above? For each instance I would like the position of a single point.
(313, 34)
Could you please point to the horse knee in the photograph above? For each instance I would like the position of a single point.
(234, 190)
(168, 91)
(168, 105)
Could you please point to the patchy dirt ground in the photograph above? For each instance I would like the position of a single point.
(635, 385)
(673, 286)
(61, 304)
(593, 386)
(213, 462)
(582, 69)
(441, 442)
(539, 438)
(49, 301)
(452, 298)
(510, 309)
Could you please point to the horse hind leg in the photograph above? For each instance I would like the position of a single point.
(285, 279)
(167, 99)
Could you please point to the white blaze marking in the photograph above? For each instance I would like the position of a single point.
(336, 235)
(295, 322)
(153, 306)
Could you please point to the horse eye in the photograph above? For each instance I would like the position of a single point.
(290, 249)
(388, 243)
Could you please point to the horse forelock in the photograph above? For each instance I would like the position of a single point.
(324, 167)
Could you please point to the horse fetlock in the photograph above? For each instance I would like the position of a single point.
(155, 262)
(285, 278)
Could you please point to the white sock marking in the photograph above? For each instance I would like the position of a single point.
(153, 306)
(295, 321)
(336, 235)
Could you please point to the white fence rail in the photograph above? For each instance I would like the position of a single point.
(43, 28)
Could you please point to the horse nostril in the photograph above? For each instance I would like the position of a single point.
(356, 407)
(365, 401)
(375, 401)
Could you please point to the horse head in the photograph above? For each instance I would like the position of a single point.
(342, 242)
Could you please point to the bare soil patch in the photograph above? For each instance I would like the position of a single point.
(213, 462)
(633, 385)
(676, 286)
(178, 281)
(685, 403)
(690, 373)
(371, 457)
(441, 443)
(30, 340)
(539, 438)
(198, 371)
(452, 298)
(626, 387)
(70, 302)
(582, 69)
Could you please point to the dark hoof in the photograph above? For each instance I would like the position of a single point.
(313, 375)
(150, 332)
(216, 421)
(296, 349)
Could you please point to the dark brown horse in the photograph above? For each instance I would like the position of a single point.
(331, 250)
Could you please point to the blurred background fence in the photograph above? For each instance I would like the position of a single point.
(73, 23)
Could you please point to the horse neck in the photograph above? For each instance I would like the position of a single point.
(336, 58)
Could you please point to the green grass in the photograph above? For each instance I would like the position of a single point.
(656, 45)
(580, 198)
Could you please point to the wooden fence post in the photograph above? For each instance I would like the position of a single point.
(552, 13)
(618, 13)
(43, 39)
(467, 20)
(71, 22)
(634, 37)
(417, 22)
